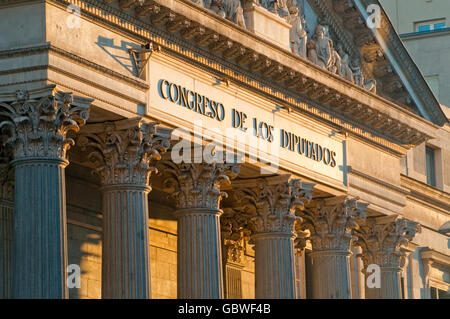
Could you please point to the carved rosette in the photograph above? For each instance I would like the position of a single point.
(382, 241)
(124, 152)
(197, 185)
(332, 222)
(275, 205)
(38, 127)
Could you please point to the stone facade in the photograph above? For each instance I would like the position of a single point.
(216, 149)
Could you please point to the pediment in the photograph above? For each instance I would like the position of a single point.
(382, 54)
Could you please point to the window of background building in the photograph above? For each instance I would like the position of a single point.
(433, 83)
(431, 25)
(430, 166)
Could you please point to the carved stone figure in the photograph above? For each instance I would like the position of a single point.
(297, 35)
(335, 60)
(358, 76)
(228, 9)
(276, 6)
(345, 71)
(319, 48)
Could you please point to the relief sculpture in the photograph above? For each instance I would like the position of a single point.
(298, 35)
(319, 48)
(228, 9)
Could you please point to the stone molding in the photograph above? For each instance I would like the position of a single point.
(48, 47)
(124, 151)
(345, 106)
(418, 82)
(38, 122)
(431, 259)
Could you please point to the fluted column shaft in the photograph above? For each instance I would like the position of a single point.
(126, 151)
(331, 275)
(199, 254)
(332, 222)
(37, 123)
(125, 257)
(40, 235)
(277, 201)
(6, 248)
(390, 285)
(197, 196)
(274, 266)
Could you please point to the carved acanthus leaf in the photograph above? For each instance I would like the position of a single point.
(383, 238)
(124, 152)
(275, 206)
(197, 185)
(38, 127)
(332, 222)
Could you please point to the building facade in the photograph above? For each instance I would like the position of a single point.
(425, 30)
(218, 149)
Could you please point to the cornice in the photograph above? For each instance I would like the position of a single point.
(425, 35)
(401, 190)
(426, 193)
(415, 78)
(428, 254)
(48, 47)
(333, 105)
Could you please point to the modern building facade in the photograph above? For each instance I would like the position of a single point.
(218, 149)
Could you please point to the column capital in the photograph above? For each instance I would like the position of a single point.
(273, 203)
(6, 175)
(197, 185)
(124, 151)
(234, 228)
(37, 122)
(383, 240)
(332, 221)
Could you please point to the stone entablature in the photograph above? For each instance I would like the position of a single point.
(380, 117)
(354, 113)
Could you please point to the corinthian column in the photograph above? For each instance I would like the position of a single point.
(124, 153)
(272, 207)
(382, 240)
(37, 123)
(197, 198)
(331, 224)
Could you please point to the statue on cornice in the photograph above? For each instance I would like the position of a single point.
(320, 48)
(276, 6)
(345, 71)
(228, 9)
(359, 79)
(298, 35)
